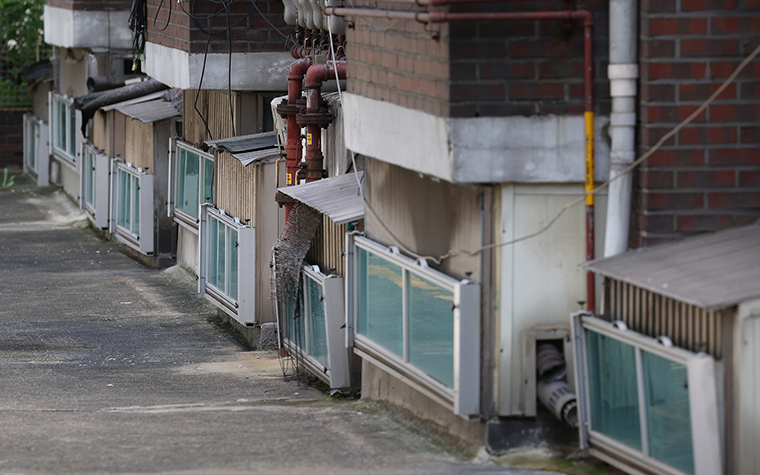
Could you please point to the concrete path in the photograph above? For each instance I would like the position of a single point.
(106, 367)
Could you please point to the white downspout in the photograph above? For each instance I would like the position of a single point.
(623, 71)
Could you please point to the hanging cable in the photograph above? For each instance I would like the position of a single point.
(229, 70)
(203, 72)
(168, 19)
(137, 21)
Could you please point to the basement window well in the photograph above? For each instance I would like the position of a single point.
(644, 403)
(227, 252)
(93, 194)
(132, 207)
(316, 332)
(416, 323)
(192, 183)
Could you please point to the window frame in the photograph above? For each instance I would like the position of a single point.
(244, 308)
(464, 398)
(336, 373)
(180, 216)
(69, 151)
(31, 137)
(702, 391)
(97, 211)
(142, 242)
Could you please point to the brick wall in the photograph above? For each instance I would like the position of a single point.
(96, 5)
(11, 138)
(250, 31)
(399, 62)
(526, 67)
(708, 176)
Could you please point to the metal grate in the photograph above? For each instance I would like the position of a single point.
(654, 315)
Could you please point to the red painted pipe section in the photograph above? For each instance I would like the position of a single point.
(293, 144)
(588, 78)
(315, 76)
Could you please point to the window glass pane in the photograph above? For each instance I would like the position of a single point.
(123, 196)
(232, 252)
(188, 177)
(668, 417)
(87, 176)
(317, 329)
(296, 333)
(208, 181)
(431, 329)
(613, 389)
(213, 233)
(135, 205)
(380, 301)
(60, 136)
(221, 268)
(72, 131)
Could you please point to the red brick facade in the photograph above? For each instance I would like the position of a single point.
(707, 177)
(250, 31)
(11, 138)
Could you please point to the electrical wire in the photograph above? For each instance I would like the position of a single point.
(168, 19)
(200, 81)
(628, 169)
(229, 70)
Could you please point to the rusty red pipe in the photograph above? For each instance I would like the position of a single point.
(588, 79)
(293, 144)
(315, 76)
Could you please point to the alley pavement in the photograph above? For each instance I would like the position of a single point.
(107, 367)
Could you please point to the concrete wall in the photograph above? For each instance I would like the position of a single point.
(540, 280)
(140, 146)
(429, 216)
(187, 250)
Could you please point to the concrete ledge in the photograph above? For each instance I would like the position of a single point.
(377, 384)
(258, 337)
(87, 29)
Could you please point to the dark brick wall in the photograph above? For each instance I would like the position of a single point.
(708, 176)
(250, 31)
(399, 62)
(95, 5)
(526, 67)
(11, 138)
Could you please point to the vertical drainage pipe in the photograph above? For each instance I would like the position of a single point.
(623, 72)
(290, 110)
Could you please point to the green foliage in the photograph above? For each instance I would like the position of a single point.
(21, 31)
(7, 182)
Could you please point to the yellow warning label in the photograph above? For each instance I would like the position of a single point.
(289, 179)
(308, 139)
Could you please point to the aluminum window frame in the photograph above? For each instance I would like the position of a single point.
(180, 216)
(244, 308)
(98, 210)
(65, 148)
(31, 144)
(142, 241)
(702, 390)
(336, 373)
(464, 398)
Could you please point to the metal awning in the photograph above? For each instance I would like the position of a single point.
(712, 271)
(246, 158)
(150, 111)
(338, 197)
(245, 143)
(148, 97)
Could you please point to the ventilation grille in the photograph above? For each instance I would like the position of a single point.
(654, 315)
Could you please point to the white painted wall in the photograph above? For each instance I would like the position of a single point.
(87, 29)
(541, 149)
(250, 71)
(187, 250)
(540, 280)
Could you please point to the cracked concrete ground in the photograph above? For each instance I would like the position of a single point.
(106, 367)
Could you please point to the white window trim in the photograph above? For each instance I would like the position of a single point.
(63, 155)
(144, 242)
(33, 124)
(464, 398)
(182, 218)
(244, 309)
(97, 214)
(703, 400)
(337, 373)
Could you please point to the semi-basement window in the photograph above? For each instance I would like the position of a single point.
(416, 323)
(227, 264)
(94, 185)
(132, 208)
(193, 176)
(315, 331)
(31, 142)
(645, 402)
(63, 120)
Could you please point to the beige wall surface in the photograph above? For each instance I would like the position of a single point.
(139, 144)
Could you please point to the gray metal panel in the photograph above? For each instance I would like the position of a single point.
(136, 100)
(245, 143)
(149, 112)
(246, 158)
(337, 197)
(713, 271)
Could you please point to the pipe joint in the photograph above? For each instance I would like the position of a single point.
(623, 119)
